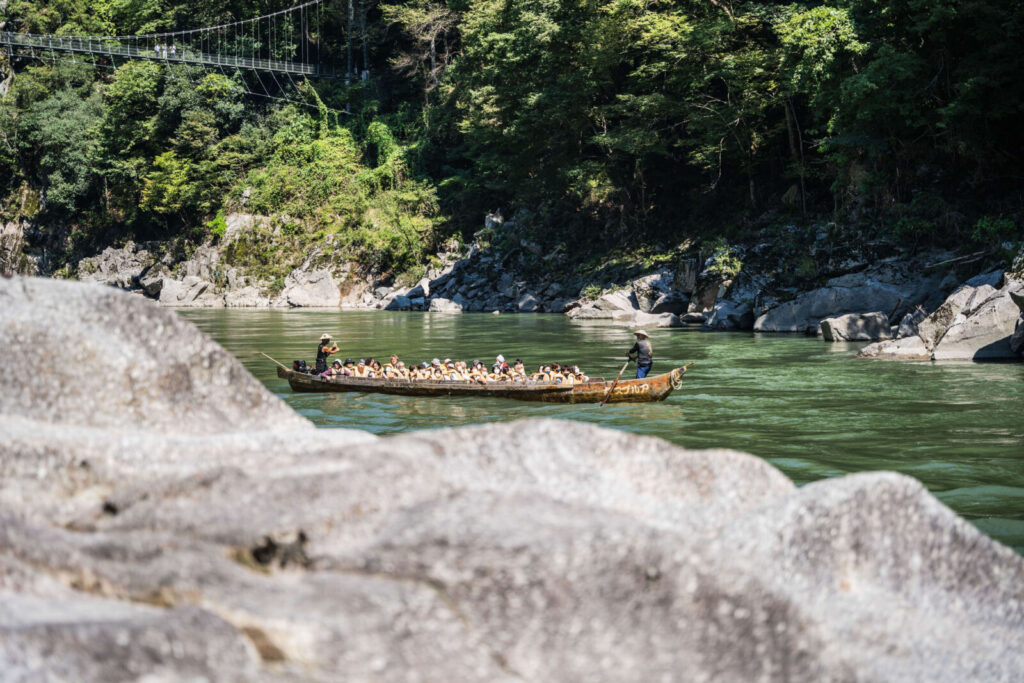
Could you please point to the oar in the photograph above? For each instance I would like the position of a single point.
(612, 387)
(281, 364)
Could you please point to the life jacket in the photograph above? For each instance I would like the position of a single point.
(322, 353)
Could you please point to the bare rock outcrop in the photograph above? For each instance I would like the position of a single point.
(229, 540)
(980, 320)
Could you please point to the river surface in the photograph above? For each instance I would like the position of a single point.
(811, 409)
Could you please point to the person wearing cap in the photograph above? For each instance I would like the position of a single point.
(348, 368)
(323, 350)
(644, 354)
(332, 371)
(499, 363)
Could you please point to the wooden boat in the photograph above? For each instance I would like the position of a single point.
(655, 388)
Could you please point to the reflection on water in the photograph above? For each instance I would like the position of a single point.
(811, 409)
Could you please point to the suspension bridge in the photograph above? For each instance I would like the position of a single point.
(287, 42)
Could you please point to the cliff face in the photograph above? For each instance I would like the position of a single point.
(162, 514)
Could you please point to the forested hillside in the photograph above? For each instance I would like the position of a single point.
(607, 123)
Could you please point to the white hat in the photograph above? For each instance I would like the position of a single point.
(641, 333)
(324, 336)
(500, 358)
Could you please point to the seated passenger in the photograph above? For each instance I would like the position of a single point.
(334, 370)
(393, 361)
(375, 368)
(361, 369)
(519, 371)
(389, 372)
(403, 372)
(578, 374)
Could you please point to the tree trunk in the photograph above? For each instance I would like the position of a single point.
(363, 9)
(796, 149)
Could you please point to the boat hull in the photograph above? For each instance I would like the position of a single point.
(645, 390)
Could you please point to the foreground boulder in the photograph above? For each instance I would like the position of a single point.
(538, 550)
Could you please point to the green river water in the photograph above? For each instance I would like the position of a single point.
(812, 409)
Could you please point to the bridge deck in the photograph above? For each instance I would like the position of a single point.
(113, 48)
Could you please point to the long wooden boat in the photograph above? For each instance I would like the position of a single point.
(656, 388)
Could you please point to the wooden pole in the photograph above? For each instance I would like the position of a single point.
(612, 387)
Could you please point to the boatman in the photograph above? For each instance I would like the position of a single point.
(323, 350)
(644, 354)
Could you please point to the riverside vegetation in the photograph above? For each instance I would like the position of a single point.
(603, 126)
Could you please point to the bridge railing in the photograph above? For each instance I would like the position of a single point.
(98, 45)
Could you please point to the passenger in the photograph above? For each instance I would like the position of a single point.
(389, 372)
(361, 369)
(436, 371)
(375, 368)
(519, 371)
(579, 375)
(348, 368)
(393, 362)
(499, 361)
(323, 351)
(401, 370)
(334, 371)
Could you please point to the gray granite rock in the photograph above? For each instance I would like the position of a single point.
(605, 306)
(398, 303)
(119, 268)
(649, 289)
(906, 348)
(167, 546)
(886, 288)
(856, 327)
(527, 303)
(670, 302)
(131, 363)
(311, 288)
(730, 315)
(442, 305)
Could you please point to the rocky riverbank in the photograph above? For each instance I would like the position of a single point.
(164, 516)
(840, 288)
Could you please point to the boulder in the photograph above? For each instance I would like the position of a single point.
(1017, 339)
(417, 303)
(670, 302)
(441, 305)
(907, 348)
(116, 267)
(246, 297)
(605, 306)
(730, 315)
(693, 318)
(908, 325)
(136, 366)
(399, 303)
(190, 292)
(165, 517)
(684, 279)
(238, 224)
(311, 288)
(649, 289)
(984, 334)
(931, 329)
(639, 319)
(527, 303)
(557, 306)
(886, 288)
(420, 291)
(152, 279)
(710, 287)
(856, 327)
